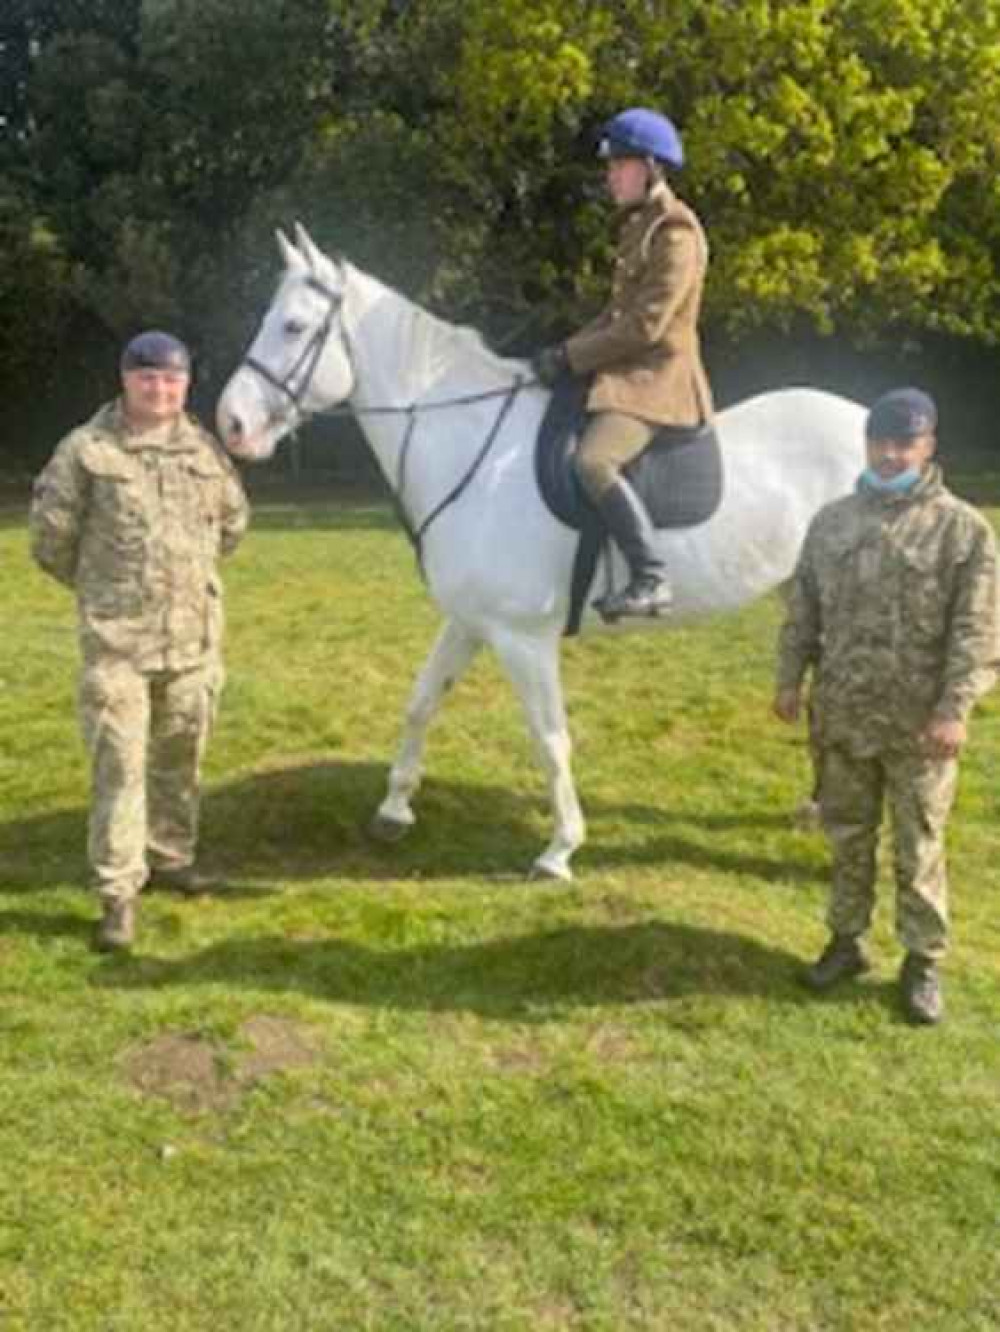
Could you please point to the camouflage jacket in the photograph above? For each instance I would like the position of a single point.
(894, 607)
(135, 524)
(643, 348)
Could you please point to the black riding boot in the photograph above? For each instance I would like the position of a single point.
(648, 592)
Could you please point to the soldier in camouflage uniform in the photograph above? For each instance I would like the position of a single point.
(132, 512)
(895, 611)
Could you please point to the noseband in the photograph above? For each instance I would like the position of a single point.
(296, 383)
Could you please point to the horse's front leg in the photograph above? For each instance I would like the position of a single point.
(453, 649)
(532, 665)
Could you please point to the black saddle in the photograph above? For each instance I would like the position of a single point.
(678, 477)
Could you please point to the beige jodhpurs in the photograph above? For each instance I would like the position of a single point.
(609, 442)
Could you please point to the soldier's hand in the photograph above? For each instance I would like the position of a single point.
(549, 363)
(787, 705)
(944, 737)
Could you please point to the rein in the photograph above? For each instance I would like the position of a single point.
(304, 369)
(417, 534)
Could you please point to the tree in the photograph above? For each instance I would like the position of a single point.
(143, 133)
(843, 153)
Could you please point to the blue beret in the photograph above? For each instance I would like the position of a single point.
(154, 350)
(902, 414)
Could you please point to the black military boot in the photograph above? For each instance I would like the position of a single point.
(648, 592)
(186, 879)
(842, 958)
(920, 988)
(116, 931)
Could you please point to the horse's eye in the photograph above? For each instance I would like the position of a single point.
(294, 327)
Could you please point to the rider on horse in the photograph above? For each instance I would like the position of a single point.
(642, 349)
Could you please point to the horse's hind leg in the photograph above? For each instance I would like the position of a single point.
(453, 649)
(532, 665)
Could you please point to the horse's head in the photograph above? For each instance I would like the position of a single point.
(299, 363)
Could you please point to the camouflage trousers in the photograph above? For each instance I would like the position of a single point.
(919, 792)
(145, 734)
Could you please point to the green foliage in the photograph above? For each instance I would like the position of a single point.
(856, 134)
(35, 282)
(838, 151)
(148, 141)
(33, 277)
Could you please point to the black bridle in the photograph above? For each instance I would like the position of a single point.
(296, 385)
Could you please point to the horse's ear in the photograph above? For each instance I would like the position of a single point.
(307, 246)
(292, 258)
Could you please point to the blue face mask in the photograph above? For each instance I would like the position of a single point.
(893, 485)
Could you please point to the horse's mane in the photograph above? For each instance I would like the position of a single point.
(436, 344)
(442, 342)
(462, 339)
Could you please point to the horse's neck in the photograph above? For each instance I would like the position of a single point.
(405, 357)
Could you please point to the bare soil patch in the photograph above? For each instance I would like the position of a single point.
(520, 1060)
(276, 1045)
(196, 1075)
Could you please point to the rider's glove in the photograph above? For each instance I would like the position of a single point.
(549, 363)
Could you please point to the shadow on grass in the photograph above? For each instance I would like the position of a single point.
(326, 517)
(519, 977)
(48, 924)
(523, 977)
(310, 822)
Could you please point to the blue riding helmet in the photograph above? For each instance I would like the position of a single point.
(154, 350)
(640, 132)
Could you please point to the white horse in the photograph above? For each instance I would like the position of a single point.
(455, 444)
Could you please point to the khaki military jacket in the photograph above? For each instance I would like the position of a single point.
(895, 607)
(136, 524)
(643, 348)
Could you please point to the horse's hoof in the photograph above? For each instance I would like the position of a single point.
(541, 869)
(386, 830)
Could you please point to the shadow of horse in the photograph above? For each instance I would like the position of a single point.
(525, 977)
(309, 821)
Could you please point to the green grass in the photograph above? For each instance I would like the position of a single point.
(497, 1104)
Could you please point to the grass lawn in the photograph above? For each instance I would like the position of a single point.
(374, 1088)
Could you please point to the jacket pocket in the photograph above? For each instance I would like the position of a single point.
(200, 483)
(117, 507)
(112, 553)
(924, 593)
